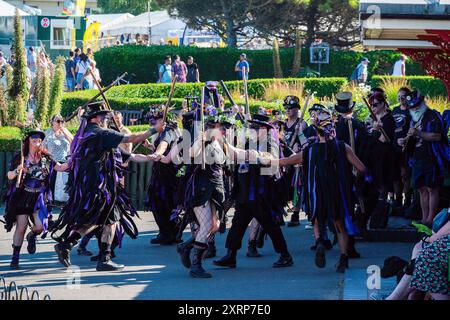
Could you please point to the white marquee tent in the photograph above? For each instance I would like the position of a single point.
(159, 21)
(8, 10)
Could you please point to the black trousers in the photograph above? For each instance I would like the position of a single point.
(166, 227)
(243, 215)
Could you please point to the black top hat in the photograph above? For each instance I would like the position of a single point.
(414, 99)
(291, 102)
(31, 133)
(345, 103)
(95, 109)
(261, 120)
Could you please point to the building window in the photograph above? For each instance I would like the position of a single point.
(61, 33)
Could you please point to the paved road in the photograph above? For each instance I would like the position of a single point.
(154, 272)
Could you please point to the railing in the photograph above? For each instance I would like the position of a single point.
(14, 292)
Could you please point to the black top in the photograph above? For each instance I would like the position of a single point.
(431, 124)
(402, 122)
(191, 72)
(164, 173)
(389, 126)
(289, 133)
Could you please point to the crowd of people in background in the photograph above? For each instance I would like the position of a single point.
(81, 69)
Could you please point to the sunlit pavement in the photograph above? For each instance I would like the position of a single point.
(155, 272)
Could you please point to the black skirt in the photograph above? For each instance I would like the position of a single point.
(21, 202)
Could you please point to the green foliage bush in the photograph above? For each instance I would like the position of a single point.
(9, 139)
(428, 86)
(71, 104)
(218, 63)
(325, 87)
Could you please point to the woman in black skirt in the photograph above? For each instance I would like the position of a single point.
(328, 189)
(29, 199)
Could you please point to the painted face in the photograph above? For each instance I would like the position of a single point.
(378, 106)
(35, 140)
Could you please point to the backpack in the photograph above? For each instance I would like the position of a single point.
(157, 71)
(354, 75)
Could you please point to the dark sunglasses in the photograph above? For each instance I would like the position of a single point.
(59, 121)
(377, 105)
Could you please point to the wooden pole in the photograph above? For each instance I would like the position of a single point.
(202, 121)
(74, 114)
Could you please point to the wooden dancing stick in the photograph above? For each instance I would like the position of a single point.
(108, 106)
(166, 107)
(230, 98)
(202, 121)
(309, 97)
(74, 114)
(20, 173)
(169, 100)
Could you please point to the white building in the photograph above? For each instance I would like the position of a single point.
(51, 7)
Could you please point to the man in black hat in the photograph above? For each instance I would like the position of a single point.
(293, 131)
(353, 132)
(428, 153)
(97, 201)
(253, 192)
(163, 181)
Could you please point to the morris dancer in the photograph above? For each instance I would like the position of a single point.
(254, 192)
(328, 189)
(97, 201)
(29, 199)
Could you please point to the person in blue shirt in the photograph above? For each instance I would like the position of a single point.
(240, 65)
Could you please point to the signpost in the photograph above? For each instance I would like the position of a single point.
(319, 53)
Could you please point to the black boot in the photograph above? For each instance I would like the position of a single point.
(82, 251)
(285, 260)
(15, 257)
(63, 249)
(184, 250)
(342, 264)
(352, 253)
(63, 252)
(295, 219)
(252, 252)
(211, 251)
(105, 263)
(229, 260)
(260, 238)
(156, 240)
(97, 257)
(320, 254)
(31, 238)
(197, 270)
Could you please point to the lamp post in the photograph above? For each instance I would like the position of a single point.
(149, 23)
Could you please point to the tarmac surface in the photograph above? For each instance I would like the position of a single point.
(155, 272)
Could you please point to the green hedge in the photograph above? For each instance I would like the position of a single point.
(135, 96)
(428, 86)
(218, 63)
(69, 104)
(9, 139)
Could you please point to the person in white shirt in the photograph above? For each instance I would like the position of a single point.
(399, 69)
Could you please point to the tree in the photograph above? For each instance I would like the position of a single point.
(277, 71)
(228, 18)
(135, 7)
(19, 87)
(297, 55)
(57, 88)
(334, 21)
(42, 94)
